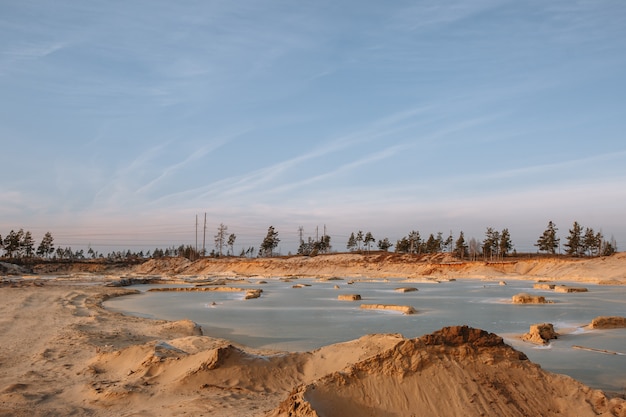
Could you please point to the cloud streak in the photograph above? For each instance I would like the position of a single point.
(428, 113)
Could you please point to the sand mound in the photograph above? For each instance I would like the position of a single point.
(540, 334)
(217, 367)
(349, 297)
(456, 371)
(525, 298)
(608, 322)
(568, 289)
(392, 307)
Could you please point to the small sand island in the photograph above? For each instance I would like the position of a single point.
(64, 354)
(569, 289)
(349, 297)
(525, 298)
(540, 334)
(249, 293)
(608, 323)
(406, 289)
(392, 307)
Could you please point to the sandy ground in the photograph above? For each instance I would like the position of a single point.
(61, 353)
(387, 265)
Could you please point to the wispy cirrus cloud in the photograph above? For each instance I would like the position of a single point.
(13, 55)
(285, 174)
(432, 14)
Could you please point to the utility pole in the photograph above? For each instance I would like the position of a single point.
(301, 233)
(196, 233)
(204, 237)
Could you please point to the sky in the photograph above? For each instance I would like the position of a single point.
(121, 122)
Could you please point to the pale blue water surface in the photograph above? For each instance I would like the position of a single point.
(299, 319)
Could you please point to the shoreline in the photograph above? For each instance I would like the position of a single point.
(441, 266)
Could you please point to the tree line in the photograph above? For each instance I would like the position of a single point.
(580, 241)
(495, 245)
(21, 243)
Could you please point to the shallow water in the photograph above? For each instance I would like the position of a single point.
(298, 319)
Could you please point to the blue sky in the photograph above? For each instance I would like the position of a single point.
(121, 121)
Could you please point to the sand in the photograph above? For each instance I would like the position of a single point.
(61, 353)
(412, 268)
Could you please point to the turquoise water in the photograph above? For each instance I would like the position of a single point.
(298, 319)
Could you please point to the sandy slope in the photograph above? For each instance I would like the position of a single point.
(456, 371)
(611, 268)
(62, 354)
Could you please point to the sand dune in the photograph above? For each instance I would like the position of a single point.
(456, 371)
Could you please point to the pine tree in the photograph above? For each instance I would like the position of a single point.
(220, 238)
(323, 245)
(448, 242)
(574, 243)
(460, 248)
(27, 244)
(384, 244)
(403, 245)
(505, 244)
(589, 243)
(359, 239)
(231, 243)
(608, 248)
(46, 247)
(415, 241)
(439, 242)
(12, 242)
(431, 244)
(269, 243)
(351, 242)
(548, 242)
(491, 244)
(368, 240)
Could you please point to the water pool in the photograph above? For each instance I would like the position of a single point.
(298, 319)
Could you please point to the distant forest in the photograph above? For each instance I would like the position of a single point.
(496, 245)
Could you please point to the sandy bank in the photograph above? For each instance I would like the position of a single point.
(412, 268)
